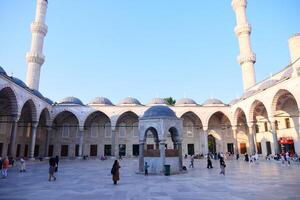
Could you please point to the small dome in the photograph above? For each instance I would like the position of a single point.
(287, 74)
(186, 101)
(2, 71)
(267, 84)
(129, 101)
(19, 82)
(158, 101)
(71, 100)
(212, 102)
(159, 112)
(234, 101)
(248, 94)
(101, 101)
(37, 93)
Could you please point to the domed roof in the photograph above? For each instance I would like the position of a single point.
(267, 84)
(49, 101)
(234, 101)
(212, 101)
(19, 82)
(129, 101)
(2, 71)
(159, 112)
(71, 100)
(158, 101)
(101, 101)
(37, 93)
(185, 101)
(248, 94)
(287, 74)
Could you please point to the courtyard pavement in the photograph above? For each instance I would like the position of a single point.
(91, 179)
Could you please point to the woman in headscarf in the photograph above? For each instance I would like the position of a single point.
(115, 172)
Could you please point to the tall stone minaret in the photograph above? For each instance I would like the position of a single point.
(242, 30)
(35, 57)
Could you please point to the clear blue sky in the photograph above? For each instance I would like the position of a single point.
(146, 49)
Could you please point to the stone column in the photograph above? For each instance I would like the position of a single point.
(141, 156)
(205, 137)
(113, 142)
(274, 134)
(236, 149)
(13, 135)
(48, 132)
(252, 138)
(162, 148)
(81, 135)
(34, 126)
(179, 146)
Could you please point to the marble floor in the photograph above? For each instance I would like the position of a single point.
(91, 179)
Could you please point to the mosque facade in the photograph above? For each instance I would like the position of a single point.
(264, 120)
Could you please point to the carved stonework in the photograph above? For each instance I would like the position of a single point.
(32, 57)
(238, 3)
(246, 58)
(39, 27)
(242, 29)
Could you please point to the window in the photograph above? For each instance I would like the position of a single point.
(64, 150)
(122, 130)
(107, 150)
(287, 123)
(266, 126)
(36, 151)
(1, 149)
(107, 130)
(94, 130)
(276, 125)
(256, 128)
(122, 149)
(135, 129)
(258, 145)
(135, 149)
(93, 150)
(189, 130)
(28, 129)
(65, 130)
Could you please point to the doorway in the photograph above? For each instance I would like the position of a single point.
(191, 149)
(243, 148)
(211, 144)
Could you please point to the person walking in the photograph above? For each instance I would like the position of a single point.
(209, 163)
(56, 162)
(146, 168)
(22, 165)
(192, 161)
(287, 158)
(222, 166)
(115, 172)
(5, 166)
(52, 165)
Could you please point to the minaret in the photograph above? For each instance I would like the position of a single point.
(242, 30)
(35, 57)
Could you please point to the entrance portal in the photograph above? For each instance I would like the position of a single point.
(211, 144)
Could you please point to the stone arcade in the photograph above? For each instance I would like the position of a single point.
(265, 119)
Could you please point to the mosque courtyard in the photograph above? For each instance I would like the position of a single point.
(91, 179)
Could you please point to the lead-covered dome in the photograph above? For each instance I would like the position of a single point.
(212, 101)
(159, 112)
(71, 100)
(101, 101)
(129, 101)
(19, 82)
(287, 74)
(267, 84)
(2, 71)
(185, 102)
(158, 101)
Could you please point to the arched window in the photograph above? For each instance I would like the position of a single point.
(94, 130)
(65, 130)
(122, 130)
(107, 130)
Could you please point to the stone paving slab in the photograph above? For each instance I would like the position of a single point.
(91, 179)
